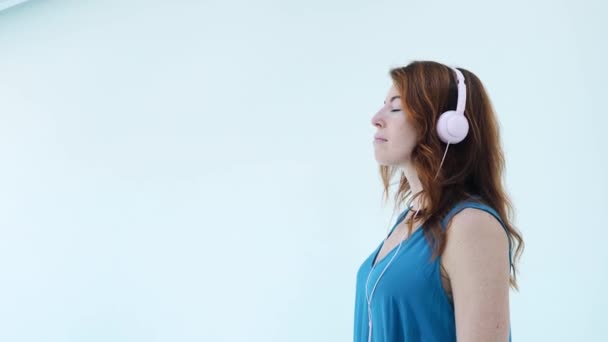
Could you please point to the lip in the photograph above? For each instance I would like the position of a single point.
(379, 138)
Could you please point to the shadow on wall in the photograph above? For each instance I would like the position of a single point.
(6, 4)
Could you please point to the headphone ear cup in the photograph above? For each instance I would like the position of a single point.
(452, 127)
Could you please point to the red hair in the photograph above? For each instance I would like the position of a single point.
(474, 167)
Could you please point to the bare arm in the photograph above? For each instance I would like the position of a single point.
(476, 259)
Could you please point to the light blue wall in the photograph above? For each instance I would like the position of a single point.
(204, 171)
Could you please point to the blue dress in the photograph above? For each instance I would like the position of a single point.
(409, 302)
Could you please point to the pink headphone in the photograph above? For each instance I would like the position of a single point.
(453, 126)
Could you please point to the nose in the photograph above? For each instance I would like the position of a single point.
(376, 119)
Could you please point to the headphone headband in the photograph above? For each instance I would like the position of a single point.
(462, 91)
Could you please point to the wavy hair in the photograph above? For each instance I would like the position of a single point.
(472, 168)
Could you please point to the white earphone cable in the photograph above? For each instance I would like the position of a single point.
(369, 298)
(442, 159)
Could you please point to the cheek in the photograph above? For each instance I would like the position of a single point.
(407, 134)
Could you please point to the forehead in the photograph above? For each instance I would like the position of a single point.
(392, 90)
(392, 94)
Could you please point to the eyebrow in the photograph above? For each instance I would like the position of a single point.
(392, 98)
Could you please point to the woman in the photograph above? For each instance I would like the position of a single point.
(444, 271)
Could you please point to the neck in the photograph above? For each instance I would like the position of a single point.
(415, 186)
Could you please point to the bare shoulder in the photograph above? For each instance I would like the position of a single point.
(476, 228)
(476, 259)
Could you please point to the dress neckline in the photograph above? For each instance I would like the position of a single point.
(404, 242)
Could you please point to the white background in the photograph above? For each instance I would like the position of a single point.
(204, 170)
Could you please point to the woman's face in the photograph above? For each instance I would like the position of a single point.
(399, 136)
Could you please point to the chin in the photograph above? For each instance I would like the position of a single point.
(386, 162)
(390, 162)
